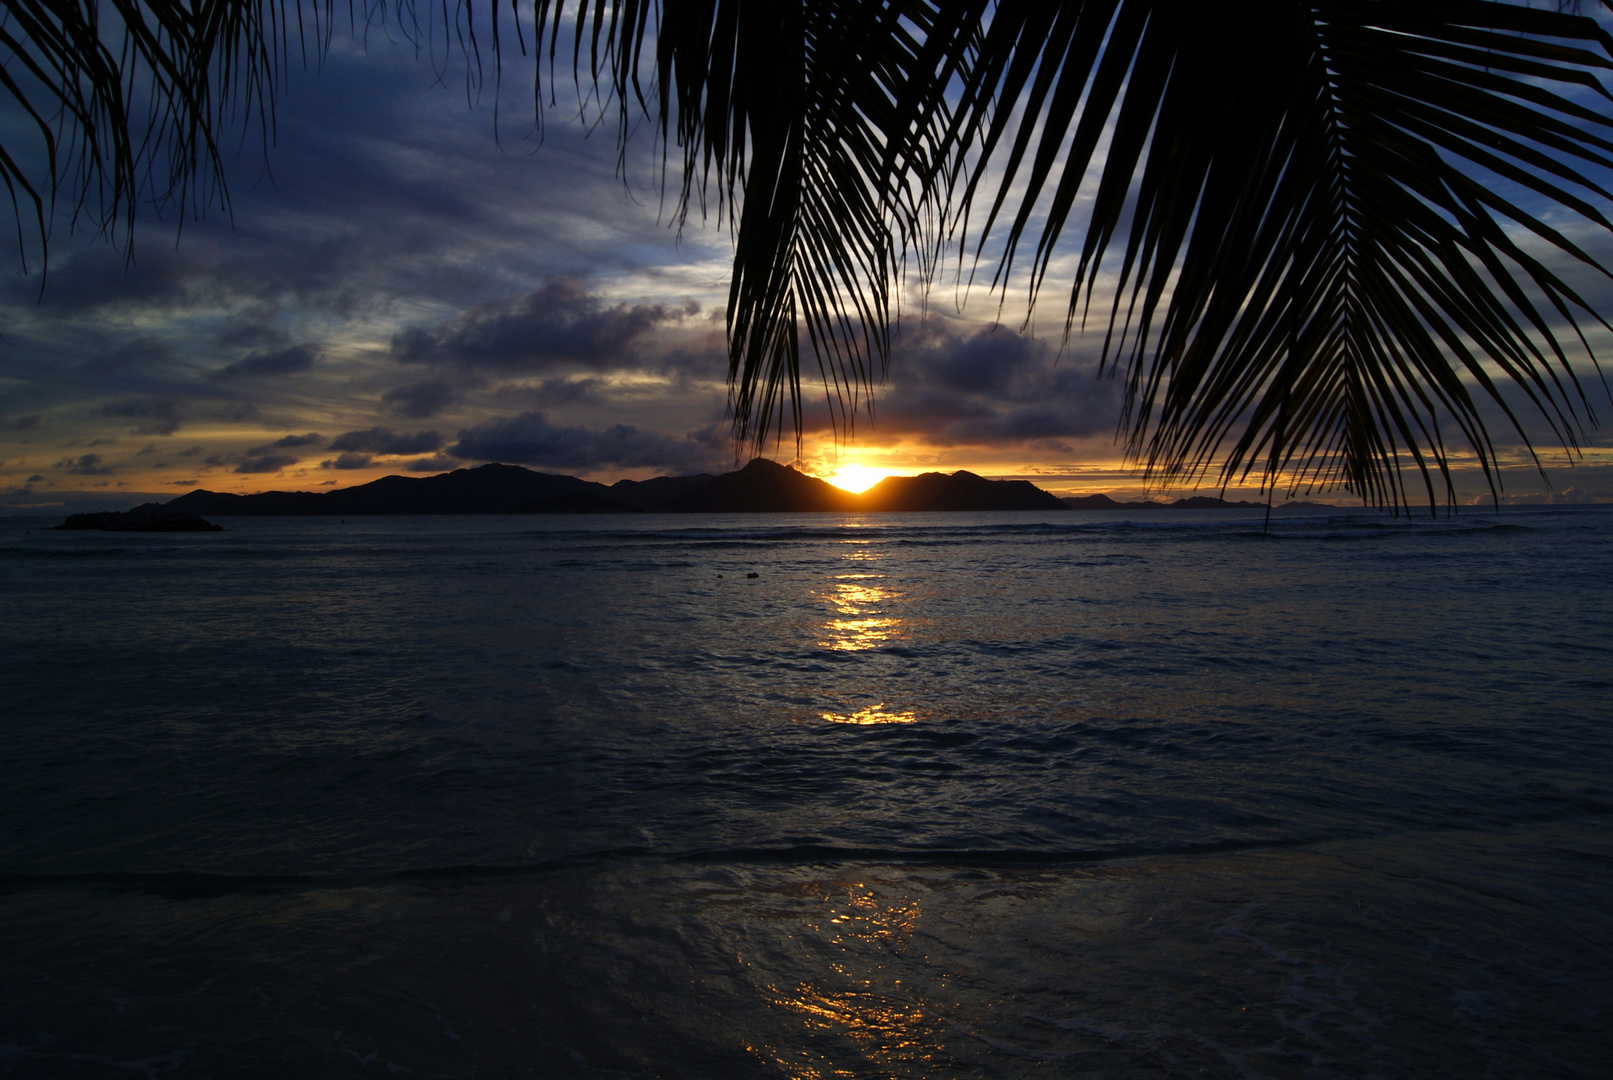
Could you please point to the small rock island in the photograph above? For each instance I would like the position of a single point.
(149, 517)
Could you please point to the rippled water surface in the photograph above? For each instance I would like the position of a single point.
(941, 795)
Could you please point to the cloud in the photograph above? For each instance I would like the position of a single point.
(380, 440)
(265, 463)
(531, 439)
(310, 439)
(157, 416)
(989, 386)
(84, 465)
(249, 333)
(20, 423)
(288, 442)
(560, 390)
(559, 324)
(272, 364)
(347, 461)
(439, 463)
(34, 479)
(146, 352)
(421, 400)
(96, 277)
(236, 412)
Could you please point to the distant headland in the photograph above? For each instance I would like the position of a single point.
(762, 486)
(147, 517)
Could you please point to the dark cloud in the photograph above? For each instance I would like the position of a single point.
(36, 478)
(236, 412)
(437, 464)
(96, 277)
(251, 333)
(380, 440)
(143, 353)
(990, 386)
(347, 461)
(278, 362)
(288, 442)
(531, 439)
(988, 361)
(157, 416)
(265, 463)
(421, 400)
(563, 391)
(560, 324)
(20, 423)
(310, 439)
(715, 436)
(84, 465)
(192, 452)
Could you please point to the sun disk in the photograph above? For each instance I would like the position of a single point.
(857, 478)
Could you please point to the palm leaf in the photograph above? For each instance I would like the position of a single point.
(801, 124)
(127, 100)
(1312, 210)
(1316, 270)
(1311, 207)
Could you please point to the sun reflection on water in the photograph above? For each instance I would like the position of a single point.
(873, 714)
(890, 1026)
(859, 621)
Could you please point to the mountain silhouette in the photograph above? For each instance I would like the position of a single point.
(487, 489)
(959, 491)
(762, 486)
(649, 494)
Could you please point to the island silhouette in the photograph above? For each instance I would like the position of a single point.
(762, 486)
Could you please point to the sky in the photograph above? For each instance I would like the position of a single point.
(408, 282)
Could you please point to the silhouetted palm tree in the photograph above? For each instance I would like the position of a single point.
(1336, 228)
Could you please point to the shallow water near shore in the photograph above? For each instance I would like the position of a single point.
(932, 795)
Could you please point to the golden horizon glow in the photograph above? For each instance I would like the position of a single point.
(858, 478)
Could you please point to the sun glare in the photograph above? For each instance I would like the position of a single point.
(857, 477)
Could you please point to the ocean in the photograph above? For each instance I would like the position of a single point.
(941, 795)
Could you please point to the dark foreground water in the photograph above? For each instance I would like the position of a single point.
(929, 795)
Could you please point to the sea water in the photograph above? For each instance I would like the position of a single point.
(1089, 794)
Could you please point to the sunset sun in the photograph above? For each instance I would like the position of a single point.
(857, 478)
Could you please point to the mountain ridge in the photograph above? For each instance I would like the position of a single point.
(761, 486)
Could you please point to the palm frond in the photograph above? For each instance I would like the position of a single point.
(802, 125)
(1315, 206)
(1334, 224)
(127, 100)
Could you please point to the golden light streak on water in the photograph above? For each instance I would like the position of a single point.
(873, 714)
(888, 1025)
(862, 624)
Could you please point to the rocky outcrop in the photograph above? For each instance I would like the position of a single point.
(149, 517)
